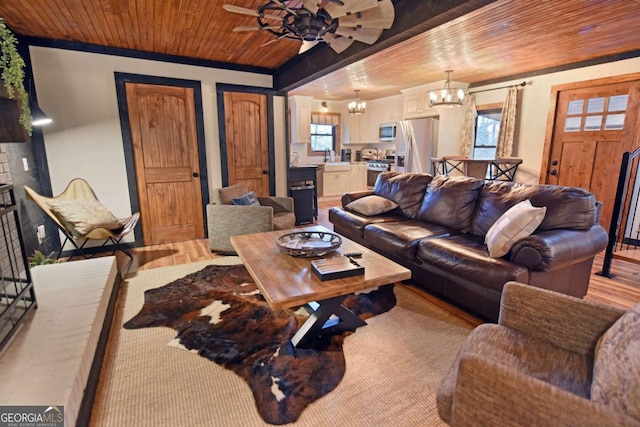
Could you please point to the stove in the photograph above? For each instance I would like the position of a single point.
(378, 165)
(375, 168)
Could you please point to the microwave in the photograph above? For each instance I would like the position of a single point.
(387, 132)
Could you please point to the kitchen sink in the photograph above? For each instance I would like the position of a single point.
(337, 166)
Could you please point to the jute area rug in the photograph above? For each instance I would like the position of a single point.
(393, 368)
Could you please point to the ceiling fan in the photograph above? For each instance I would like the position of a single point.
(335, 22)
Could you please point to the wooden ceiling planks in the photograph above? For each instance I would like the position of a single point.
(501, 39)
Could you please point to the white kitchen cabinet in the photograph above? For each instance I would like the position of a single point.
(358, 177)
(416, 104)
(356, 128)
(370, 130)
(390, 111)
(300, 119)
(334, 183)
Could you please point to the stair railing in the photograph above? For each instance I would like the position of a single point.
(625, 211)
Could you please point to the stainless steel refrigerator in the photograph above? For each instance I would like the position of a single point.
(416, 144)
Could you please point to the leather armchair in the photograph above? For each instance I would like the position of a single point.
(534, 367)
(225, 220)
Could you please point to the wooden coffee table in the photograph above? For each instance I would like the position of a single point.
(288, 282)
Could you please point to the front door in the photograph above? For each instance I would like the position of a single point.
(247, 140)
(165, 150)
(594, 125)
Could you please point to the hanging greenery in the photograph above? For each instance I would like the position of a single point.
(12, 73)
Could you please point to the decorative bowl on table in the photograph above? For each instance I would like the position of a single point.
(308, 243)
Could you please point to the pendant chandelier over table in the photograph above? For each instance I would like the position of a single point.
(447, 96)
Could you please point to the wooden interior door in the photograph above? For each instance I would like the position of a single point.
(593, 127)
(247, 140)
(165, 151)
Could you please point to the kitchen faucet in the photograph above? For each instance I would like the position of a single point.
(327, 153)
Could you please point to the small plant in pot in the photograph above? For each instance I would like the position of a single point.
(12, 73)
(38, 258)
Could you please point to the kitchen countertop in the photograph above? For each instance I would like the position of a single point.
(319, 165)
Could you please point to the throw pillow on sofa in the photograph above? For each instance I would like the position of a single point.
(372, 205)
(249, 199)
(84, 214)
(616, 365)
(450, 201)
(516, 223)
(227, 194)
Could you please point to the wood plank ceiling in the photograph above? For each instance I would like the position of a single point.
(503, 39)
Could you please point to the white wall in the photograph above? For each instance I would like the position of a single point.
(77, 89)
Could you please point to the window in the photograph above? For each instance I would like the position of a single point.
(323, 137)
(325, 133)
(487, 130)
(612, 108)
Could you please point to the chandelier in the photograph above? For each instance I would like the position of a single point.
(447, 96)
(356, 106)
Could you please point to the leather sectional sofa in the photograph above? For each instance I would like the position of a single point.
(438, 231)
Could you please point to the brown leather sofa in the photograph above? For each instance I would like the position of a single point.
(439, 227)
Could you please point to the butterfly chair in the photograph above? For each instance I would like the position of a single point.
(81, 217)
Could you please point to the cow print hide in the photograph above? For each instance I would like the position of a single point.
(219, 312)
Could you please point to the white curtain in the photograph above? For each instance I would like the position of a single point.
(507, 124)
(467, 132)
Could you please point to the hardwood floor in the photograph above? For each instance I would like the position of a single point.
(621, 291)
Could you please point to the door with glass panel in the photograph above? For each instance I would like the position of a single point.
(593, 127)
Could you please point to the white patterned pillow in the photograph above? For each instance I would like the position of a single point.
(518, 222)
(616, 366)
(372, 205)
(84, 214)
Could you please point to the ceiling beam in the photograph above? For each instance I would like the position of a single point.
(411, 18)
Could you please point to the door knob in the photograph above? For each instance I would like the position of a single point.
(195, 174)
(265, 172)
(553, 172)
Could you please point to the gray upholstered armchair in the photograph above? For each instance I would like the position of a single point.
(226, 219)
(553, 360)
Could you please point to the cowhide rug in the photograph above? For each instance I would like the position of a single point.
(219, 312)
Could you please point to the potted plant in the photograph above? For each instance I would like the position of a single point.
(12, 73)
(38, 258)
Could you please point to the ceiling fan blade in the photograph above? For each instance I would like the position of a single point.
(241, 10)
(312, 5)
(285, 7)
(305, 46)
(365, 35)
(378, 17)
(273, 40)
(247, 28)
(250, 12)
(350, 6)
(338, 44)
(254, 28)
